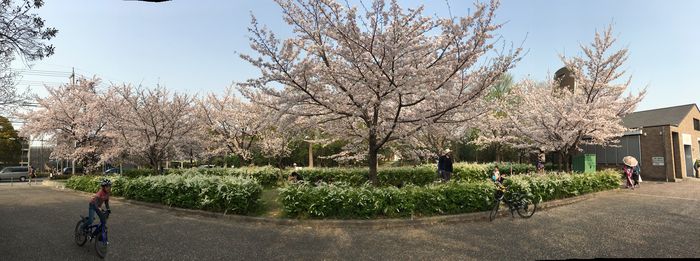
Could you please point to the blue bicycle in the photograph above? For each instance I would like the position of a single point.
(97, 232)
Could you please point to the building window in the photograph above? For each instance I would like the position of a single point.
(696, 124)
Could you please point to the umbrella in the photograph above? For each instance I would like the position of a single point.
(630, 161)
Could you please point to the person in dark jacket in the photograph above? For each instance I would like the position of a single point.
(445, 165)
(636, 175)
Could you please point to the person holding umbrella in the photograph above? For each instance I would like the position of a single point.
(629, 164)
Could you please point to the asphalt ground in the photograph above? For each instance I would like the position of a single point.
(657, 220)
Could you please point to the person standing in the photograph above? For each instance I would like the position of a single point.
(30, 173)
(496, 174)
(445, 165)
(697, 166)
(636, 175)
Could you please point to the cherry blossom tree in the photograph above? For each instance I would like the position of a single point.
(228, 125)
(22, 33)
(494, 127)
(150, 125)
(553, 118)
(377, 77)
(73, 118)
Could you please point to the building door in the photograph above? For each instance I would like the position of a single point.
(677, 155)
(688, 161)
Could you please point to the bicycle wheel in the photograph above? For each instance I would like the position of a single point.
(101, 245)
(494, 211)
(80, 236)
(527, 208)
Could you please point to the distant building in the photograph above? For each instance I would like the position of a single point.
(666, 142)
(565, 78)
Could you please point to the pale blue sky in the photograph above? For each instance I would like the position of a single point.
(192, 46)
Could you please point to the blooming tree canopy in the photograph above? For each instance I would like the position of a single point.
(376, 77)
(148, 124)
(229, 125)
(494, 127)
(72, 117)
(552, 118)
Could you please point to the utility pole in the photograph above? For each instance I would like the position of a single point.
(72, 77)
(311, 155)
(75, 145)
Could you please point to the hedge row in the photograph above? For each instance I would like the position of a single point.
(419, 175)
(395, 176)
(563, 185)
(229, 194)
(346, 201)
(390, 176)
(267, 176)
(343, 200)
(139, 172)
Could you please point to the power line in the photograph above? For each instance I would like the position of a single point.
(43, 73)
(40, 82)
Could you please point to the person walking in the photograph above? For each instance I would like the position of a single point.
(445, 165)
(31, 174)
(636, 175)
(628, 169)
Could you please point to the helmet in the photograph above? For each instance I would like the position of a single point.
(106, 182)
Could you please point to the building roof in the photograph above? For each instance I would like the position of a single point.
(658, 117)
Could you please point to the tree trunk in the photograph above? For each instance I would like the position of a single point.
(372, 159)
(561, 159)
(499, 157)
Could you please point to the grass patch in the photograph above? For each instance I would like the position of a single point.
(270, 206)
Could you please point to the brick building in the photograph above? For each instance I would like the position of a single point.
(666, 142)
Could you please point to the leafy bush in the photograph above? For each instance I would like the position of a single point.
(267, 176)
(392, 176)
(341, 200)
(562, 185)
(471, 172)
(476, 172)
(419, 175)
(234, 194)
(139, 172)
(59, 177)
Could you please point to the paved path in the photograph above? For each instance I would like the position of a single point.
(658, 220)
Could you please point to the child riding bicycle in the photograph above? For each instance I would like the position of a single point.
(102, 196)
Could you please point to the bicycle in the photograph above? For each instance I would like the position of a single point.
(515, 202)
(98, 232)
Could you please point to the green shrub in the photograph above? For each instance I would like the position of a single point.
(267, 175)
(341, 200)
(477, 172)
(344, 200)
(59, 177)
(391, 176)
(471, 172)
(562, 185)
(420, 175)
(86, 183)
(139, 172)
(231, 194)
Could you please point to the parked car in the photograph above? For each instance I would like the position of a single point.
(18, 173)
(69, 170)
(112, 171)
